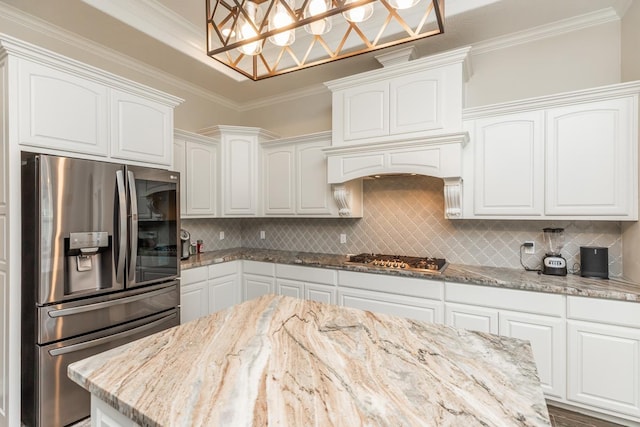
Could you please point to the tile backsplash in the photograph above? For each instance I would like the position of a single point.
(404, 215)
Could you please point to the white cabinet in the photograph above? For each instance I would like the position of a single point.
(61, 110)
(508, 164)
(196, 158)
(532, 316)
(406, 297)
(65, 107)
(417, 98)
(205, 290)
(568, 156)
(141, 128)
(604, 354)
(294, 179)
(592, 158)
(258, 278)
(239, 167)
(316, 284)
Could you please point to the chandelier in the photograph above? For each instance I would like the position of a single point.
(263, 38)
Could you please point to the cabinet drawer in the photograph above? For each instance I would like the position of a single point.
(260, 268)
(605, 311)
(424, 288)
(194, 275)
(306, 274)
(509, 299)
(223, 269)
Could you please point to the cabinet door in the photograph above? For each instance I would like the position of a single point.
(255, 286)
(61, 111)
(224, 292)
(590, 158)
(313, 194)
(366, 111)
(395, 305)
(180, 165)
(201, 178)
(472, 318)
(509, 165)
(604, 366)
(414, 103)
(278, 168)
(320, 293)
(290, 288)
(193, 301)
(141, 129)
(548, 342)
(239, 175)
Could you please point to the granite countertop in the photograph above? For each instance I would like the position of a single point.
(510, 278)
(283, 361)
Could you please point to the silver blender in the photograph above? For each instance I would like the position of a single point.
(553, 263)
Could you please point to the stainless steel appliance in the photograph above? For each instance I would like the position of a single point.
(553, 263)
(594, 262)
(99, 269)
(400, 262)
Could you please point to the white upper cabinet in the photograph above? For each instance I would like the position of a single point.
(69, 108)
(592, 159)
(59, 109)
(199, 179)
(141, 129)
(508, 162)
(568, 156)
(278, 179)
(412, 99)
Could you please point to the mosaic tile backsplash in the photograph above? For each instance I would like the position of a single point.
(404, 215)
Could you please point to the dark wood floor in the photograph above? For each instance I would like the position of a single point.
(563, 418)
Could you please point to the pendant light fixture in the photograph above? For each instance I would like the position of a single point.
(334, 29)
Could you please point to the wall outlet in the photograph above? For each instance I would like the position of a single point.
(262, 235)
(529, 247)
(343, 238)
(222, 235)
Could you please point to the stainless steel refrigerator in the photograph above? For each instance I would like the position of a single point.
(100, 267)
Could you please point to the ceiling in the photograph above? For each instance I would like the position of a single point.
(170, 35)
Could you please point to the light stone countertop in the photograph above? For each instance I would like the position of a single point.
(283, 361)
(509, 278)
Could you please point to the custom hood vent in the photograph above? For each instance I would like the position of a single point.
(403, 118)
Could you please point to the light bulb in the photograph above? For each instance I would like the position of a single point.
(358, 14)
(246, 30)
(280, 17)
(403, 4)
(314, 8)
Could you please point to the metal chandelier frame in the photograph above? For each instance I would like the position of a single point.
(344, 40)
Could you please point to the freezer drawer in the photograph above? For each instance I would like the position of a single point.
(56, 391)
(66, 320)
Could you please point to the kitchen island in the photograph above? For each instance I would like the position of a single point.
(284, 361)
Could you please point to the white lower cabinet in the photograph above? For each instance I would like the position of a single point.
(395, 305)
(258, 279)
(539, 319)
(316, 284)
(604, 355)
(205, 290)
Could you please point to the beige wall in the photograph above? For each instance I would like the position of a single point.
(631, 71)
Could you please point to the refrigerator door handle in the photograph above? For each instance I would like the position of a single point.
(133, 227)
(122, 227)
(109, 338)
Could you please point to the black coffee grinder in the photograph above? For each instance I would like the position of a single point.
(553, 263)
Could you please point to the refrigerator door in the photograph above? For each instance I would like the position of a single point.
(154, 221)
(70, 212)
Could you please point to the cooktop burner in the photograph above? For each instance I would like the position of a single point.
(431, 265)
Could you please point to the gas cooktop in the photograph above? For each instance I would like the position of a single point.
(399, 262)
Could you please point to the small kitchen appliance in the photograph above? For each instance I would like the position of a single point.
(553, 263)
(594, 262)
(185, 240)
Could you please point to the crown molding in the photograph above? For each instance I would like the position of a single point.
(40, 26)
(553, 29)
(293, 95)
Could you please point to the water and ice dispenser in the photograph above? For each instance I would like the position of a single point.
(89, 261)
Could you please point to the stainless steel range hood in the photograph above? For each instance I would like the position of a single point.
(403, 118)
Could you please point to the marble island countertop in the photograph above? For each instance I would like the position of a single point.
(283, 361)
(509, 278)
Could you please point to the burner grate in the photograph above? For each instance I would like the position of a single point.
(400, 262)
